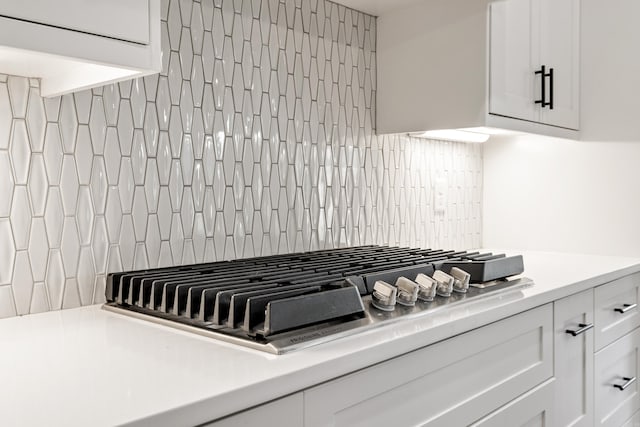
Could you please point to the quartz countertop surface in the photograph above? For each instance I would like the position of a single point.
(87, 366)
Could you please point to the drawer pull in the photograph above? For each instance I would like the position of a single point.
(584, 327)
(625, 308)
(628, 382)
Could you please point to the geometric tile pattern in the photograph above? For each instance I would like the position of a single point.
(258, 137)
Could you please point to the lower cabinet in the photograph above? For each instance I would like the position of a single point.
(616, 387)
(454, 382)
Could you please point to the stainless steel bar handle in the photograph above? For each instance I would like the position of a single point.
(584, 327)
(628, 382)
(625, 308)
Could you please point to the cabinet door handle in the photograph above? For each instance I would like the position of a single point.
(584, 327)
(543, 85)
(543, 74)
(628, 382)
(550, 103)
(625, 308)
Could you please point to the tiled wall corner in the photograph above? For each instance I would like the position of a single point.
(257, 138)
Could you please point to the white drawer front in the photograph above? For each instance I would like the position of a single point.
(454, 382)
(533, 409)
(610, 299)
(615, 364)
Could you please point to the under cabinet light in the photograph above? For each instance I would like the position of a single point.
(455, 135)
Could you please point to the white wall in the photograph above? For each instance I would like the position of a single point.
(554, 194)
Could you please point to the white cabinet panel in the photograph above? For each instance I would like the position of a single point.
(120, 19)
(616, 310)
(454, 382)
(617, 367)
(573, 360)
(285, 412)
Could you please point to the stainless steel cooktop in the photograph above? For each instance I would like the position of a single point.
(285, 302)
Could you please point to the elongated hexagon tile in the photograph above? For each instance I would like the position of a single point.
(18, 93)
(113, 214)
(163, 104)
(153, 241)
(20, 151)
(86, 275)
(84, 155)
(97, 125)
(36, 120)
(85, 215)
(68, 123)
(38, 249)
(127, 242)
(138, 102)
(22, 282)
(125, 127)
(112, 156)
(99, 185)
(83, 105)
(176, 185)
(38, 185)
(21, 217)
(177, 237)
(164, 213)
(151, 131)
(138, 157)
(71, 297)
(164, 158)
(152, 186)
(100, 245)
(55, 279)
(139, 213)
(111, 101)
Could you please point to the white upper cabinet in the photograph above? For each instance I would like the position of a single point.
(77, 44)
(534, 61)
(449, 64)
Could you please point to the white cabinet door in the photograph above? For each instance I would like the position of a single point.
(513, 59)
(454, 382)
(573, 360)
(285, 412)
(617, 392)
(559, 35)
(525, 36)
(119, 19)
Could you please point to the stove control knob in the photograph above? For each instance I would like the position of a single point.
(427, 287)
(461, 283)
(407, 291)
(445, 283)
(384, 296)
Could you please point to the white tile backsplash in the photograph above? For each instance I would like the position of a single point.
(258, 137)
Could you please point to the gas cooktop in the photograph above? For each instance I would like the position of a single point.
(284, 302)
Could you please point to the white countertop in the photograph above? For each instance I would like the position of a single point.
(87, 366)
